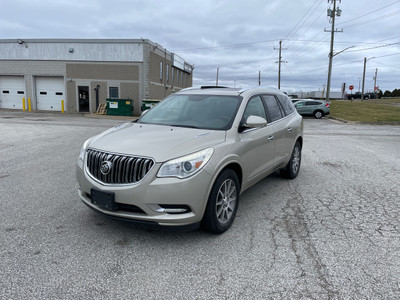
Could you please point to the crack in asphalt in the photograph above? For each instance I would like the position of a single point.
(307, 256)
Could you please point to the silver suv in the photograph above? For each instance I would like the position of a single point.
(187, 160)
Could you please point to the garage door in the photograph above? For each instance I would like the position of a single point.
(12, 90)
(49, 93)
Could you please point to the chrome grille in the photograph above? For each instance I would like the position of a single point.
(124, 169)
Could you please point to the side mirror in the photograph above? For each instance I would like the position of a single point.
(255, 122)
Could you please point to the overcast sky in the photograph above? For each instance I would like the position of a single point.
(240, 38)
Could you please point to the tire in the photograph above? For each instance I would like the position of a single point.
(293, 167)
(222, 203)
(318, 114)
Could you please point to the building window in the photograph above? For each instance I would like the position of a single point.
(161, 70)
(113, 92)
(173, 74)
(167, 72)
(177, 76)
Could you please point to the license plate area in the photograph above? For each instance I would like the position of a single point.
(103, 199)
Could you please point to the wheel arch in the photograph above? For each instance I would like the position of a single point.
(300, 140)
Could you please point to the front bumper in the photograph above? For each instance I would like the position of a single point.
(150, 200)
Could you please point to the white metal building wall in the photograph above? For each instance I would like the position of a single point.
(12, 90)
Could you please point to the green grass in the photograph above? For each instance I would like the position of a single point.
(376, 110)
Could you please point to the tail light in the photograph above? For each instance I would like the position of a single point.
(327, 104)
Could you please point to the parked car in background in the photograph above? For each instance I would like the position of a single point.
(316, 108)
(357, 95)
(187, 160)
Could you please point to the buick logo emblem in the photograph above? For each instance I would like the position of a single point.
(105, 167)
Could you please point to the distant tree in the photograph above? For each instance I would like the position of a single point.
(387, 94)
(396, 93)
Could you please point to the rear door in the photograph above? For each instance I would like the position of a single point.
(282, 130)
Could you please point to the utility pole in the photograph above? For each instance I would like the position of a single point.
(332, 14)
(280, 61)
(362, 91)
(363, 82)
(259, 77)
(216, 83)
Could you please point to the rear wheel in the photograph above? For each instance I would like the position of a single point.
(293, 167)
(222, 203)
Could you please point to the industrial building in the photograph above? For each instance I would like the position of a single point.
(76, 75)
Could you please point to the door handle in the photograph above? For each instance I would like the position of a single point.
(271, 138)
(290, 129)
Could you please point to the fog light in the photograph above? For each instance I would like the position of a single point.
(170, 208)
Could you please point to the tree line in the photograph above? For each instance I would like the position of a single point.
(394, 93)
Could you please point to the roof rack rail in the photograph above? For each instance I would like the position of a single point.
(213, 87)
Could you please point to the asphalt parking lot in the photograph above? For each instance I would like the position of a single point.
(332, 233)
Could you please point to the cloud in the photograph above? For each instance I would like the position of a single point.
(239, 37)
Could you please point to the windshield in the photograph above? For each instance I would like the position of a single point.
(195, 111)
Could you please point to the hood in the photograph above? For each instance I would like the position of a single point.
(159, 142)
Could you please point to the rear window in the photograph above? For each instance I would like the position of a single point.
(287, 104)
(274, 111)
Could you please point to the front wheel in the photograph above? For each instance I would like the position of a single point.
(223, 203)
(318, 114)
(293, 167)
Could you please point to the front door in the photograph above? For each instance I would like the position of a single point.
(258, 156)
(83, 97)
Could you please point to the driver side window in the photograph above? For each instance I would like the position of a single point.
(255, 107)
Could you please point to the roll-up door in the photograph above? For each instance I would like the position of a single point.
(49, 93)
(12, 90)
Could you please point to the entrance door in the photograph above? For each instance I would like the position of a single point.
(83, 97)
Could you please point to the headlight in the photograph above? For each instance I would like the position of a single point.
(187, 165)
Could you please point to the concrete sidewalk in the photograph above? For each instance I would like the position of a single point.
(17, 113)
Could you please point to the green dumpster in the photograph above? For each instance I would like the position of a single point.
(119, 107)
(149, 103)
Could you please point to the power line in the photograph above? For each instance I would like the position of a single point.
(374, 20)
(376, 47)
(372, 12)
(301, 21)
(225, 46)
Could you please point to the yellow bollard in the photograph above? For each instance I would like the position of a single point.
(23, 104)
(29, 104)
(62, 106)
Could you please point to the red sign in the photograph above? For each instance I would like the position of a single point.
(351, 87)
